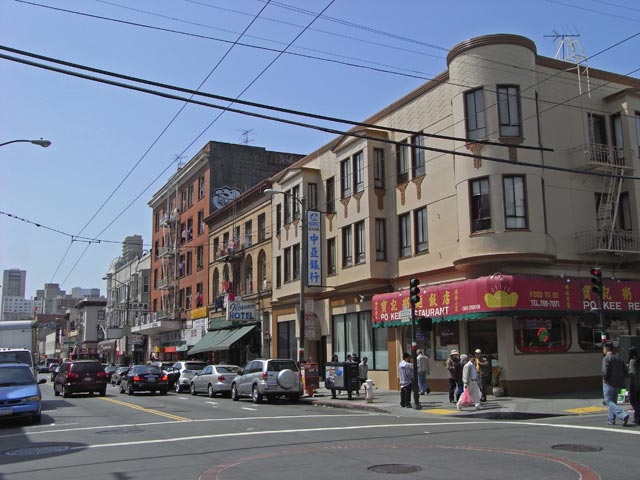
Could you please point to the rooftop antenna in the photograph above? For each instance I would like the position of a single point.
(179, 158)
(569, 42)
(245, 140)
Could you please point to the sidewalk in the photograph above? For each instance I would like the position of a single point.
(437, 403)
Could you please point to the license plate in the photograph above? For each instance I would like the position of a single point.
(5, 411)
(87, 379)
(151, 379)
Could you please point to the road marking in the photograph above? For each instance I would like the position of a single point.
(212, 403)
(440, 411)
(586, 410)
(146, 410)
(250, 409)
(343, 428)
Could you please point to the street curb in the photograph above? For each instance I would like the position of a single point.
(353, 406)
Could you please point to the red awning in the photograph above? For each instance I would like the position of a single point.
(485, 296)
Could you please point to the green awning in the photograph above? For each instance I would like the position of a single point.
(233, 336)
(220, 339)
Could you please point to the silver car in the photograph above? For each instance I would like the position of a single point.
(184, 372)
(214, 379)
(270, 378)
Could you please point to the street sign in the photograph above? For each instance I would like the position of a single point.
(405, 314)
(68, 342)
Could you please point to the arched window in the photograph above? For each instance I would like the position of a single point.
(215, 282)
(248, 274)
(262, 271)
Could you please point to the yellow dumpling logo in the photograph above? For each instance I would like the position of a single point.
(501, 299)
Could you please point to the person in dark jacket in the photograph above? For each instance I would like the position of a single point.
(614, 372)
(634, 384)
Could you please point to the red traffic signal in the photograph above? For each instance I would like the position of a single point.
(596, 280)
(414, 291)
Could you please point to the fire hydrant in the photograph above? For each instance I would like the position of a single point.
(368, 391)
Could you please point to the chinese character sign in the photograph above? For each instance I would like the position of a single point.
(314, 249)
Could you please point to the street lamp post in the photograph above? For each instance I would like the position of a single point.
(126, 318)
(303, 263)
(41, 142)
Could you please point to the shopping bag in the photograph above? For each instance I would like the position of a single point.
(465, 399)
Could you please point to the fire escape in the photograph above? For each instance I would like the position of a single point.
(169, 266)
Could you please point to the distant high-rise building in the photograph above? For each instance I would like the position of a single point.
(78, 292)
(132, 247)
(14, 282)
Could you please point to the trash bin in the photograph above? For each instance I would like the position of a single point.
(310, 377)
(342, 376)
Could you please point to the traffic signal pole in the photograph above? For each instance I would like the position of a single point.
(414, 298)
(597, 288)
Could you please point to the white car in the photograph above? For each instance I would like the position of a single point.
(270, 379)
(184, 372)
(214, 379)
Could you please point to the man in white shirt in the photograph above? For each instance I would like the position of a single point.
(405, 376)
(470, 380)
(422, 362)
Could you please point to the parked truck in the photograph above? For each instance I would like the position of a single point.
(17, 341)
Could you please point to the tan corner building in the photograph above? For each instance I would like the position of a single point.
(498, 185)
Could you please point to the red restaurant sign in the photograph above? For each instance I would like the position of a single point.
(483, 296)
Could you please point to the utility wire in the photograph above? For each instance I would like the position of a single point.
(190, 100)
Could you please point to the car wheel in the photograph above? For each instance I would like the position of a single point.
(210, 392)
(294, 398)
(130, 389)
(163, 391)
(287, 378)
(256, 395)
(234, 393)
(177, 387)
(36, 419)
(192, 389)
(65, 393)
(103, 393)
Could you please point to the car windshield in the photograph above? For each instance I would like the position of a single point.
(11, 376)
(146, 369)
(110, 369)
(86, 367)
(227, 369)
(194, 366)
(277, 365)
(13, 356)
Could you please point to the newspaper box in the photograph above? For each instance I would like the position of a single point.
(310, 377)
(342, 376)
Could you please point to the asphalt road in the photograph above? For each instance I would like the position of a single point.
(121, 437)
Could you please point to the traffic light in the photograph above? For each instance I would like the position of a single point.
(414, 291)
(596, 280)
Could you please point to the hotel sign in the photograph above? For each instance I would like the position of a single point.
(241, 311)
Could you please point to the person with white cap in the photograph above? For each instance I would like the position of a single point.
(454, 371)
(484, 369)
(470, 380)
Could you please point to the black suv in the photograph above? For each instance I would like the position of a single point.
(80, 376)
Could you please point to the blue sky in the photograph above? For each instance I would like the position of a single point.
(100, 132)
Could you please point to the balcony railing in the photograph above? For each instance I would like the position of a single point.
(165, 251)
(594, 155)
(168, 219)
(608, 241)
(165, 284)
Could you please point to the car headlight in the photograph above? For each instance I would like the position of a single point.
(35, 398)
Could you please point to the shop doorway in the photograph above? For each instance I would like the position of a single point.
(482, 334)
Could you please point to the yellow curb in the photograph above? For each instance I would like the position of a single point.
(440, 411)
(587, 410)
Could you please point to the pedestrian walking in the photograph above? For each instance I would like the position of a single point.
(422, 363)
(614, 372)
(634, 384)
(363, 371)
(450, 365)
(470, 380)
(484, 369)
(405, 376)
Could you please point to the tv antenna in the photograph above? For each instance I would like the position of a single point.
(244, 137)
(569, 42)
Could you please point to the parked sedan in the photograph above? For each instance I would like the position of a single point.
(144, 378)
(20, 392)
(117, 375)
(109, 370)
(214, 379)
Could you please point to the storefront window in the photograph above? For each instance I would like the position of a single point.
(590, 336)
(541, 334)
(287, 339)
(446, 337)
(353, 333)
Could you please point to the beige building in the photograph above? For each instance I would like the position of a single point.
(488, 184)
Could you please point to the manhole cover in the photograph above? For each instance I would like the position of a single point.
(395, 468)
(120, 431)
(577, 447)
(32, 451)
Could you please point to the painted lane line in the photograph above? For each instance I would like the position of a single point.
(250, 409)
(340, 428)
(146, 410)
(201, 420)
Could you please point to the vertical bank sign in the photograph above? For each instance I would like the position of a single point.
(314, 249)
(239, 311)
